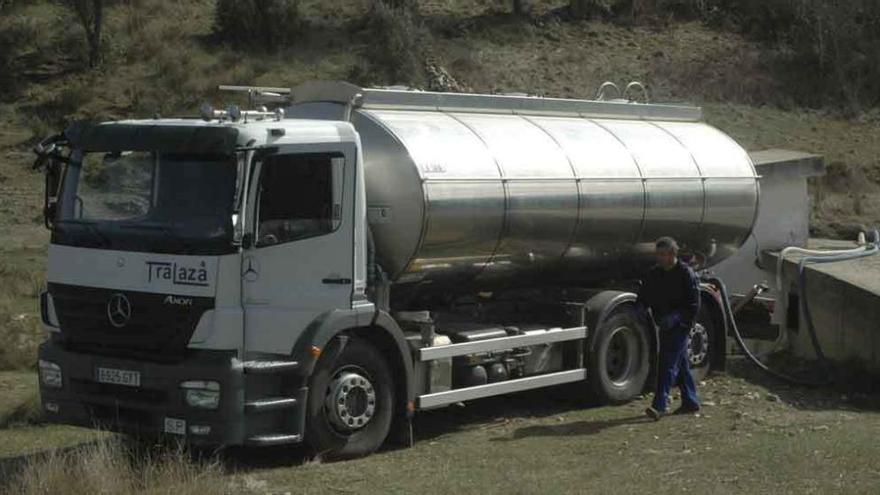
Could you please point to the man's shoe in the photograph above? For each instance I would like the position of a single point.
(687, 409)
(653, 414)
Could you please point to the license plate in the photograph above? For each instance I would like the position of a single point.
(175, 426)
(118, 377)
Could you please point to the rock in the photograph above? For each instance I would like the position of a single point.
(439, 79)
(820, 428)
(773, 397)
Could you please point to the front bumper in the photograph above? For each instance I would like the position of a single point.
(143, 410)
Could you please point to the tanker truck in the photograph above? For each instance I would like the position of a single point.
(321, 271)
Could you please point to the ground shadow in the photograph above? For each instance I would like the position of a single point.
(534, 404)
(578, 428)
(429, 425)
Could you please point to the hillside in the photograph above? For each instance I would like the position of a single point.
(162, 58)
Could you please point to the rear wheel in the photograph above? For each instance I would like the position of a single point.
(619, 357)
(351, 400)
(700, 344)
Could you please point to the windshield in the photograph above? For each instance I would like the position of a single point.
(149, 201)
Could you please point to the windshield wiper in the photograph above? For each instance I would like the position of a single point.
(92, 228)
(169, 232)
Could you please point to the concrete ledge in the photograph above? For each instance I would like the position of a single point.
(844, 300)
(779, 163)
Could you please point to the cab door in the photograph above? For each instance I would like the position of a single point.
(299, 246)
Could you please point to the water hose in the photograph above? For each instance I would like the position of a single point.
(868, 250)
(781, 308)
(815, 257)
(728, 315)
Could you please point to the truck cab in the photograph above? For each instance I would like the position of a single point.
(186, 259)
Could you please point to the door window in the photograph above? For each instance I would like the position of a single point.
(299, 197)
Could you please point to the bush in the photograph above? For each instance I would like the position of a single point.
(20, 38)
(829, 49)
(396, 53)
(269, 24)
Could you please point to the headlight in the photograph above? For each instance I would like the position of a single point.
(201, 394)
(50, 374)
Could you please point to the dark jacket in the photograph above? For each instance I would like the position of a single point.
(673, 296)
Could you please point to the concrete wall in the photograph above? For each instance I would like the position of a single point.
(844, 302)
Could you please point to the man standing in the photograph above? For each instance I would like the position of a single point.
(671, 291)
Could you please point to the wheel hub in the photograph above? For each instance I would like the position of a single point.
(698, 345)
(350, 401)
(621, 355)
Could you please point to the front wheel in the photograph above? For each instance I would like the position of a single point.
(351, 401)
(619, 357)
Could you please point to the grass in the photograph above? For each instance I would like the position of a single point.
(36, 458)
(745, 441)
(21, 281)
(112, 466)
(753, 436)
(22, 431)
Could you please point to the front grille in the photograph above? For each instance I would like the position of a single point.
(137, 395)
(155, 330)
(118, 418)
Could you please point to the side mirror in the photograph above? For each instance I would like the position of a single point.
(53, 172)
(50, 211)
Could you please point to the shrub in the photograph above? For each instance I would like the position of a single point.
(20, 37)
(396, 52)
(266, 23)
(829, 49)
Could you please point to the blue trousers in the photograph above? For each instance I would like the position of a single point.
(674, 368)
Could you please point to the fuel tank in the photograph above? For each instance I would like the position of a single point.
(482, 191)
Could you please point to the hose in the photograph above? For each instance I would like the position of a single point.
(816, 257)
(868, 250)
(728, 315)
(782, 294)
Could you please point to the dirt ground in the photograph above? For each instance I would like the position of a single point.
(754, 435)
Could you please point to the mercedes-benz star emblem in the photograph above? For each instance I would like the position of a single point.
(251, 269)
(118, 310)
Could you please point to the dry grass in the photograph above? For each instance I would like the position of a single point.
(27, 412)
(115, 467)
(20, 326)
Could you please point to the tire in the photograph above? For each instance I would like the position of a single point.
(350, 383)
(619, 357)
(701, 346)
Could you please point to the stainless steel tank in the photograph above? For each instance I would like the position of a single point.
(489, 190)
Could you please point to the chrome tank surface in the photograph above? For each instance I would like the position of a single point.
(507, 197)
